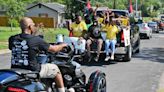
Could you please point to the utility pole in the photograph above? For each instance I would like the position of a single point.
(141, 2)
(136, 5)
(136, 8)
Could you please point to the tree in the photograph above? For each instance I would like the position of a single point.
(151, 8)
(144, 5)
(50, 1)
(74, 7)
(15, 9)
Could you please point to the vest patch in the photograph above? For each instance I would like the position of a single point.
(20, 53)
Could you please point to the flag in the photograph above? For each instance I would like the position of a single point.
(88, 4)
(130, 6)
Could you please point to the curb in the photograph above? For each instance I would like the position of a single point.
(161, 84)
(5, 51)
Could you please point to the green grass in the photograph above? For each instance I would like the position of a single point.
(5, 33)
(149, 19)
(3, 46)
(49, 35)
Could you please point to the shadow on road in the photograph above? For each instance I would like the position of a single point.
(161, 32)
(93, 63)
(151, 54)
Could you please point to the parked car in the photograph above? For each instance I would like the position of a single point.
(161, 25)
(153, 26)
(145, 31)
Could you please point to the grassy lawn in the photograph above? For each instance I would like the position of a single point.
(3, 46)
(5, 33)
(49, 35)
(148, 19)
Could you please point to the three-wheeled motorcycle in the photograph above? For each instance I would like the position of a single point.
(19, 80)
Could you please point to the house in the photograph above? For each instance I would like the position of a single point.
(2, 10)
(47, 10)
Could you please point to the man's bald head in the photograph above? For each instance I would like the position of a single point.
(25, 23)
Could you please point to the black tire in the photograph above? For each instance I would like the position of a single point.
(137, 51)
(98, 85)
(138, 46)
(87, 58)
(148, 37)
(128, 54)
(157, 31)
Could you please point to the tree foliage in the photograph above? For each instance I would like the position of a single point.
(151, 8)
(148, 7)
(73, 7)
(15, 9)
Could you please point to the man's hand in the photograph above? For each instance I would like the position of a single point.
(56, 48)
(81, 38)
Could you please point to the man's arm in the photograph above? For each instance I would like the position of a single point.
(95, 11)
(56, 48)
(69, 26)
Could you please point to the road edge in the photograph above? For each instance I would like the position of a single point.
(4, 51)
(161, 84)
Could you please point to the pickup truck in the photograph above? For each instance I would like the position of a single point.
(128, 41)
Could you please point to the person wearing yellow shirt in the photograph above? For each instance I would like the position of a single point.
(78, 29)
(111, 40)
(100, 20)
(125, 21)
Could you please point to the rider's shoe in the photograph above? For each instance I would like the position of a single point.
(112, 57)
(107, 58)
(96, 59)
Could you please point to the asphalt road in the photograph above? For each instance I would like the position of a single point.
(141, 74)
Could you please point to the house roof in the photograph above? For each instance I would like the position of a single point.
(53, 6)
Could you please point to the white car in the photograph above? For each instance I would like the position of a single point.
(145, 30)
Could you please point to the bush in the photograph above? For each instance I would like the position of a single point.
(13, 22)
